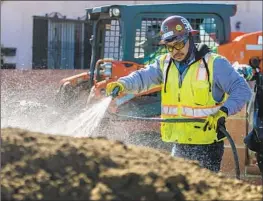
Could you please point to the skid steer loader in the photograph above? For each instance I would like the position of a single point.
(126, 38)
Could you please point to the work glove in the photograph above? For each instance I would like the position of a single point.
(247, 72)
(215, 120)
(244, 70)
(112, 85)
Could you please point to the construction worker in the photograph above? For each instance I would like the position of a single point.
(196, 83)
(254, 139)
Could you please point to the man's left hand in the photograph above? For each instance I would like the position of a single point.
(215, 120)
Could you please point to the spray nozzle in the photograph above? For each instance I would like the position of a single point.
(115, 92)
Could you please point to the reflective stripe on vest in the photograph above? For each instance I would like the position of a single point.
(190, 112)
(169, 110)
(199, 112)
(202, 73)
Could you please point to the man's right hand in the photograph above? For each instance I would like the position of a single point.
(112, 85)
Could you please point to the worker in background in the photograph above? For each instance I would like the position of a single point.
(195, 84)
(254, 139)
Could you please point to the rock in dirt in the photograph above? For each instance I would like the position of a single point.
(39, 166)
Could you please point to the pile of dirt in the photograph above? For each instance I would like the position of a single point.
(39, 166)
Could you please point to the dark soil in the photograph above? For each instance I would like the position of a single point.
(39, 166)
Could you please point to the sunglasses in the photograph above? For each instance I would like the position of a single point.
(178, 45)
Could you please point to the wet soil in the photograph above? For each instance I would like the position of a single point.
(39, 166)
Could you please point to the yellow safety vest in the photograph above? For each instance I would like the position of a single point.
(192, 100)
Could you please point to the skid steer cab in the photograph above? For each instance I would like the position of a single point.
(126, 37)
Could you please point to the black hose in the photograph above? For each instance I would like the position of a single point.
(159, 119)
(234, 150)
(221, 129)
